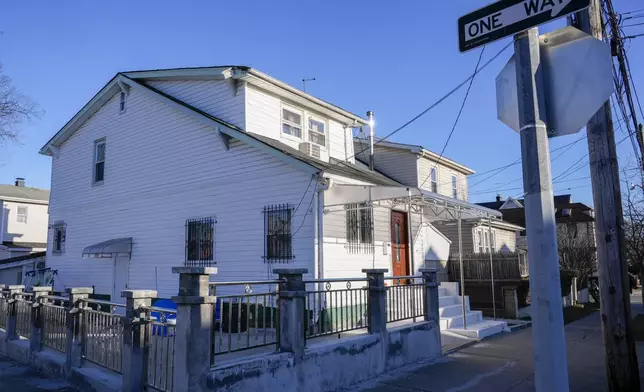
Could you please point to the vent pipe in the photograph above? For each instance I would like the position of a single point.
(371, 133)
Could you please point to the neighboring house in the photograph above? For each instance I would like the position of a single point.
(227, 167)
(17, 270)
(23, 219)
(574, 218)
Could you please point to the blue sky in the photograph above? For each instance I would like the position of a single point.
(394, 58)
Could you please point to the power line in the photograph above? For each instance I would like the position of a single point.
(458, 116)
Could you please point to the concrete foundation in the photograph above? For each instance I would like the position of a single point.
(329, 366)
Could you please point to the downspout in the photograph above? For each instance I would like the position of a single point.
(372, 125)
(323, 185)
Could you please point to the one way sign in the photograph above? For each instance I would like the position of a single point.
(507, 17)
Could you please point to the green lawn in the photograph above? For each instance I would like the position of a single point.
(576, 312)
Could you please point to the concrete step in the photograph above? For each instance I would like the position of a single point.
(451, 310)
(457, 321)
(442, 292)
(452, 300)
(481, 329)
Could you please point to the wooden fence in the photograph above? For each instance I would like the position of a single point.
(476, 266)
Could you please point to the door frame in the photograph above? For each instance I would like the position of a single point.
(407, 243)
(116, 297)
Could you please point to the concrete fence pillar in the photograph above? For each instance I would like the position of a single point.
(292, 312)
(193, 339)
(430, 279)
(510, 302)
(15, 291)
(37, 318)
(136, 343)
(377, 300)
(74, 325)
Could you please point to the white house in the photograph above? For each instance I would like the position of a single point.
(226, 167)
(23, 219)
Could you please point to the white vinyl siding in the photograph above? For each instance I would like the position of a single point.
(33, 230)
(182, 171)
(395, 163)
(214, 97)
(264, 117)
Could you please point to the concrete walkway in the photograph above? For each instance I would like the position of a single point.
(15, 377)
(504, 363)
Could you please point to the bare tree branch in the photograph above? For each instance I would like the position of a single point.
(577, 251)
(15, 108)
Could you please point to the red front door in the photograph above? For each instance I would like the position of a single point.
(399, 259)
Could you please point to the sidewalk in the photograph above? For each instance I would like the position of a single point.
(504, 363)
(15, 377)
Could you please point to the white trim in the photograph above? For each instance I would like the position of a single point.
(20, 263)
(21, 200)
(296, 111)
(513, 201)
(216, 73)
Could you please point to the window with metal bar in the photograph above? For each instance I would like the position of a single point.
(278, 239)
(359, 224)
(60, 232)
(200, 242)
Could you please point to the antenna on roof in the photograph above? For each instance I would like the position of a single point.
(304, 80)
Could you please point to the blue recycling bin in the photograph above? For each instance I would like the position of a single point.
(163, 330)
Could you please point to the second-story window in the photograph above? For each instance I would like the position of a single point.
(21, 216)
(454, 186)
(433, 181)
(99, 161)
(292, 122)
(317, 131)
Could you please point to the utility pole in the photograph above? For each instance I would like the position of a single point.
(621, 357)
(549, 342)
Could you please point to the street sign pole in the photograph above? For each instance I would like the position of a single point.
(549, 344)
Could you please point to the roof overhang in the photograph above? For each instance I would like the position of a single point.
(441, 207)
(23, 200)
(423, 153)
(110, 248)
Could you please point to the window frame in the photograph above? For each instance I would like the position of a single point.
(455, 185)
(324, 134)
(23, 216)
(95, 160)
(433, 183)
(122, 102)
(359, 223)
(278, 246)
(58, 227)
(291, 123)
(204, 247)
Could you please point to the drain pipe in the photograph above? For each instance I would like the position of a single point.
(323, 185)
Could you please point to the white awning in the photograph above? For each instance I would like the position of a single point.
(441, 207)
(110, 248)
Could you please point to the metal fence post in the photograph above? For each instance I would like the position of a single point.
(136, 343)
(377, 300)
(292, 312)
(37, 319)
(431, 295)
(74, 340)
(194, 329)
(12, 319)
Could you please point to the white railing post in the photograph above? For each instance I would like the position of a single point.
(136, 343)
(74, 325)
(37, 319)
(12, 318)
(194, 329)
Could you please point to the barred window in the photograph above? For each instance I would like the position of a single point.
(278, 240)
(200, 242)
(359, 222)
(60, 233)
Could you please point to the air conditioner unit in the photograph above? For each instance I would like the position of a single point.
(310, 149)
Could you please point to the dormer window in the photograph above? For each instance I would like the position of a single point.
(317, 131)
(292, 122)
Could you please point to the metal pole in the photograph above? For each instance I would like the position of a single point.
(460, 261)
(621, 356)
(549, 342)
(373, 232)
(489, 233)
(411, 235)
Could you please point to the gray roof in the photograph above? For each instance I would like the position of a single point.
(23, 192)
